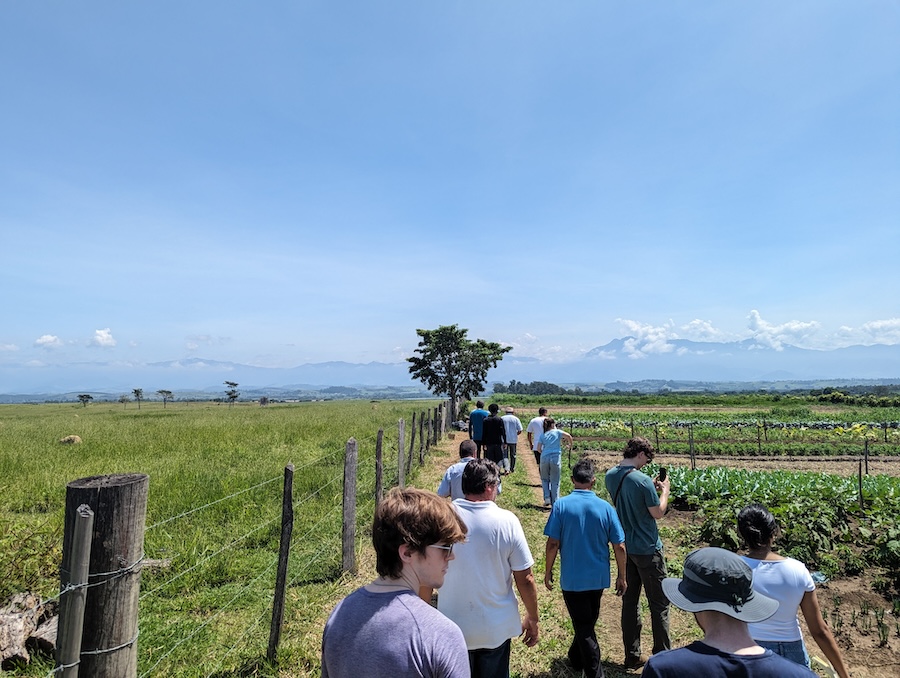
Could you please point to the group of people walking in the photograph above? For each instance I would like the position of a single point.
(476, 554)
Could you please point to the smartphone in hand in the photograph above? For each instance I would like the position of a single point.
(662, 474)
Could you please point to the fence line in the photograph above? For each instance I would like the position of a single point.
(432, 426)
(212, 503)
(211, 619)
(209, 557)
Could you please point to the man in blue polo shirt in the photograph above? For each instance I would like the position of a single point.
(580, 529)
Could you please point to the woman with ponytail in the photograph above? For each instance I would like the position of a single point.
(789, 582)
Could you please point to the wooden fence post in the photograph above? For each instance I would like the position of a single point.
(656, 432)
(421, 437)
(434, 427)
(379, 468)
(866, 455)
(859, 485)
(691, 443)
(71, 602)
(412, 439)
(119, 503)
(348, 531)
(284, 552)
(758, 439)
(401, 455)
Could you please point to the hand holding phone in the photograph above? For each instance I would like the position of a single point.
(662, 474)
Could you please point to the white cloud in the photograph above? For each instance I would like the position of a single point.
(103, 339)
(883, 331)
(8, 347)
(647, 339)
(529, 346)
(702, 330)
(48, 342)
(793, 332)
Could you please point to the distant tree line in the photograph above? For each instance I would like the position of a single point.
(535, 388)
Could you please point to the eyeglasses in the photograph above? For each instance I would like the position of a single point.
(446, 548)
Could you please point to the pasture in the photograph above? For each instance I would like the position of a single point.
(213, 513)
(214, 505)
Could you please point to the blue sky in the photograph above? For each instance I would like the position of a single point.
(288, 182)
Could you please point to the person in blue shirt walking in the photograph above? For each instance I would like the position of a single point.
(580, 529)
(550, 448)
(476, 421)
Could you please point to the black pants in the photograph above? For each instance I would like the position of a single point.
(494, 453)
(584, 652)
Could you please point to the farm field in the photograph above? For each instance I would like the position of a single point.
(213, 517)
(212, 620)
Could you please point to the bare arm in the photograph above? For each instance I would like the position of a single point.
(528, 592)
(567, 437)
(619, 552)
(659, 511)
(530, 439)
(550, 552)
(820, 632)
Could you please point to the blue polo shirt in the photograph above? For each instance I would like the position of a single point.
(585, 525)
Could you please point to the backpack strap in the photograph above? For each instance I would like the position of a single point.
(619, 488)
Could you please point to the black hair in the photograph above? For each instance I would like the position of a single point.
(757, 525)
(583, 471)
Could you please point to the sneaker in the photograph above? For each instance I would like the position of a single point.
(634, 662)
(546, 502)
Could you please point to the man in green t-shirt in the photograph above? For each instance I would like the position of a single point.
(640, 501)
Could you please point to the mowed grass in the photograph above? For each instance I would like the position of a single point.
(213, 511)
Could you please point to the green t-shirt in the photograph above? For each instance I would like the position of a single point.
(637, 494)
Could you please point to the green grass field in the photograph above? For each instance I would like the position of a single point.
(208, 610)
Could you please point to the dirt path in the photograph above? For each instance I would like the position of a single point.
(842, 599)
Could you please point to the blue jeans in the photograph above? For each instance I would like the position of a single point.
(794, 650)
(550, 472)
(490, 663)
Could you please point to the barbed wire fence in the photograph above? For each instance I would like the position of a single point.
(245, 565)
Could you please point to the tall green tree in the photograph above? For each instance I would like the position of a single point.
(138, 395)
(85, 398)
(232, 393)
(165, 394)
(449, 364)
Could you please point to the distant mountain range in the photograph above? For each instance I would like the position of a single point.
(621, 361)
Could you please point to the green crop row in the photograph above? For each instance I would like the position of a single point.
(829, 522)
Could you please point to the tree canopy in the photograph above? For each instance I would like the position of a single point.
(450, 364)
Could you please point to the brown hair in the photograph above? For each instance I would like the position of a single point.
(637, 445)
(549, 423)
(413, 517)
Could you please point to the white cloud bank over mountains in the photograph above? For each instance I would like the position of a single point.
(800, 349)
